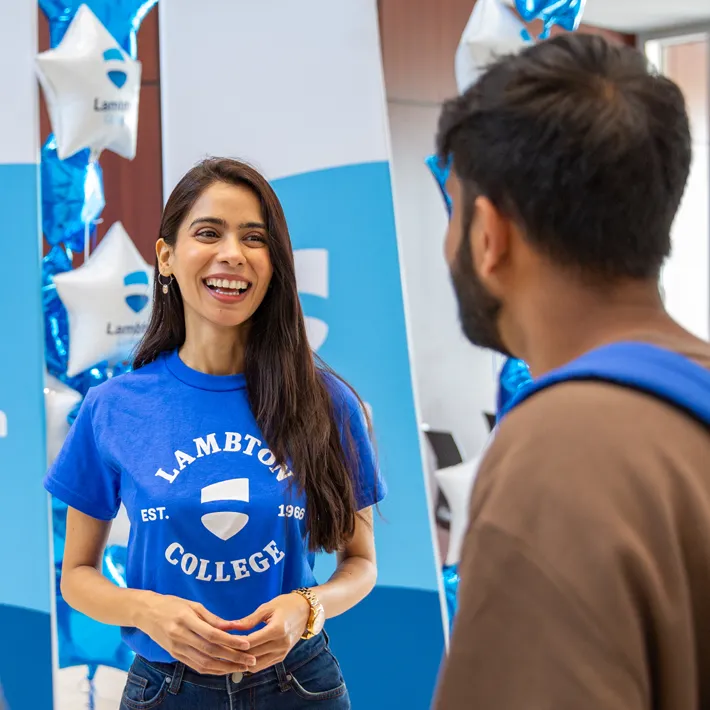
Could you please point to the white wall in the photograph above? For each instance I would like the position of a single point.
(686, 277)
(455, 381)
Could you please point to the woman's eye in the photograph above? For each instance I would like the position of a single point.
(207, 234)
(256, 238)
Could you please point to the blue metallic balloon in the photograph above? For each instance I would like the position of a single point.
(565, 13)
(441, 175)
(72, 196)
(59, 529)
(83, 641)
(450, 575)
(114, 567)
(514, 376)
(121, 18)
(92, 377)
(71, 417)
(56, 323)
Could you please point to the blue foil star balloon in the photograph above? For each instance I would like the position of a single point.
(565, 13)
(56, 324)
(514, 376)
(83, 641)
(72, 196)
(122, 18)
(441, 175)
(450, 575)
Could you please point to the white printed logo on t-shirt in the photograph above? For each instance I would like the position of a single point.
(226, 524)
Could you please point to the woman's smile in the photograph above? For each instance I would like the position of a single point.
(227, 288)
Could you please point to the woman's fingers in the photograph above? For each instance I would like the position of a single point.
(216, 636)
(266, 662)
(267, 647)
(218, 651)
(210, 618)
(202, 663)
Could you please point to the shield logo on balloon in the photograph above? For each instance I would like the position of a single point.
(117, 77)
(136, 301)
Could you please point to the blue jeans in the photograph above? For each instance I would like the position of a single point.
(309, 677)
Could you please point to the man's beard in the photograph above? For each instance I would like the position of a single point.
(478, 309)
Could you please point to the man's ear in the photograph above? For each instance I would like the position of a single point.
(489, 237)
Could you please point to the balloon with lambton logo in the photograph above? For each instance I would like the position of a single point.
(492, 31)
(107, 300)
(122, 18)
(92, 89)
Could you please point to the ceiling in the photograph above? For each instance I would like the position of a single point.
(645, 15)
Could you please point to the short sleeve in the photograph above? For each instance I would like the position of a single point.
(369, 485)
(80, 477)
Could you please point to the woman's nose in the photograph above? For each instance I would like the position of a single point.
(231, 250)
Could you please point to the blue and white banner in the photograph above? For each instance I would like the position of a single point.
(297, 90)
(25, 595)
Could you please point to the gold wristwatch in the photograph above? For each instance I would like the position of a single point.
(316, 619)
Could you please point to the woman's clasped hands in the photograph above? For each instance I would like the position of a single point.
(201, 640)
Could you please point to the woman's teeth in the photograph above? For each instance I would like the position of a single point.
(227, 286)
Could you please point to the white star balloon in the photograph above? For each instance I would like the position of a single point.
(107, 301)
(492, 30)
(59, 400)
(92, 89)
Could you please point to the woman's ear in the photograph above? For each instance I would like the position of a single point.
(164, 252)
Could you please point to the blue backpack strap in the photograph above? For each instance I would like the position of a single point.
(656, 371)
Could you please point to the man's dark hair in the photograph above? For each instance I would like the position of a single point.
(583, 145)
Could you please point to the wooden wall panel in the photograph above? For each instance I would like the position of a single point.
(419, 40)
(133, 189)
(687, 64)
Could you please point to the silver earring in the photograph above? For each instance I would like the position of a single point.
(167, 285)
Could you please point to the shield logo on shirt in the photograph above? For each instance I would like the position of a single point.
(225, 524)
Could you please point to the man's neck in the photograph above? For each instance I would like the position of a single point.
(564, 321)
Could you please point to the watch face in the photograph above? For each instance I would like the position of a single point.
(319, 620)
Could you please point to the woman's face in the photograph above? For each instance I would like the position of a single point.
(221, 256)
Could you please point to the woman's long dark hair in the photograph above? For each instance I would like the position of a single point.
(287, 392)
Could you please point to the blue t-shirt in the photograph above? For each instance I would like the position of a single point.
(213, 518)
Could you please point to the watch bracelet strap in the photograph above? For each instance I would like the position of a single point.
(310, 596)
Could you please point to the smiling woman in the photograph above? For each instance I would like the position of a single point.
(224, 368)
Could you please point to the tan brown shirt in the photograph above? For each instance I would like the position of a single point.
(585, 574)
